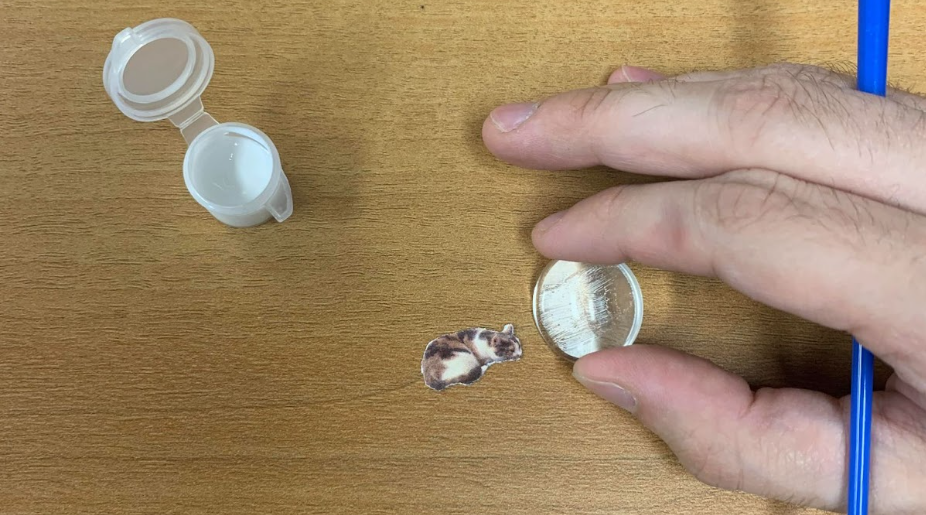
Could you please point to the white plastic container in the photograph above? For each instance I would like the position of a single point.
(159, 70)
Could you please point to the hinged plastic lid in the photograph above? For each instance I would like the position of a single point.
(159, 70)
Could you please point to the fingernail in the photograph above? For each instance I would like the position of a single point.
(548, 222)
(634, 74)
(509, 117)
(610, 392)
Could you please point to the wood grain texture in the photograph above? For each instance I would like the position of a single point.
(155, 361)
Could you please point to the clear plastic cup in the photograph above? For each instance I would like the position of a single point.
(581, 308)
(159, 70)
(233, 170)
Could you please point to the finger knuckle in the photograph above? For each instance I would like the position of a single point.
(763, 104)
(745, 107)
(630, 100)
(738, 201)
(852, 221)
(589, 105)
(611, 208)
(612, 204)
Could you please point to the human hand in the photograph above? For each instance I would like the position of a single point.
(801, 193)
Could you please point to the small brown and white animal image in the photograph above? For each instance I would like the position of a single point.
(462, 357)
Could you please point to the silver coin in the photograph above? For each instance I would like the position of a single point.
(581, 308)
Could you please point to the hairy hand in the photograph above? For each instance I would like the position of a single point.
(798, 191)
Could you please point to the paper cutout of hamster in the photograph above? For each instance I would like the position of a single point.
(463, 357)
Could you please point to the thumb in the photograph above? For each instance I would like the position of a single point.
(784, 444)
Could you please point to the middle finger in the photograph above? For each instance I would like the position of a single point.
(827, 256)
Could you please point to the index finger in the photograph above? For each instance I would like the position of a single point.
(813, 130)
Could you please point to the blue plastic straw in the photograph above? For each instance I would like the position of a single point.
(860, 429)
(873, 23)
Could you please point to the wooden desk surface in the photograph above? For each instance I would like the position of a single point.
(155, 361)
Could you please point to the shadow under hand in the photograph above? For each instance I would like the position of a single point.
(767, 347)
